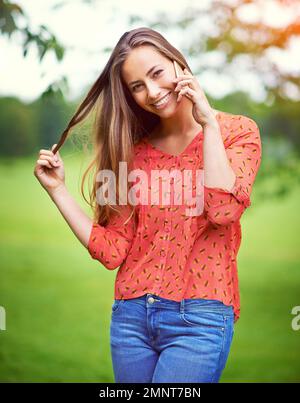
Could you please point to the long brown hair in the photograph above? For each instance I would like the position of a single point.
(119, 121)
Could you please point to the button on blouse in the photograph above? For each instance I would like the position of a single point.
(175, 255)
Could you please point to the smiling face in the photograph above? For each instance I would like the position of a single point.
(148, 76)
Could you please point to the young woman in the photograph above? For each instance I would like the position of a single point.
(176, 290)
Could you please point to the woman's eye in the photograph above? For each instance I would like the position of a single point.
(158, 71)
(138, 85)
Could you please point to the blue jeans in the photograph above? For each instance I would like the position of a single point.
(154, 339)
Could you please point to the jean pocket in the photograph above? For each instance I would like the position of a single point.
(214, 320)
(230, 323)
(116, 305)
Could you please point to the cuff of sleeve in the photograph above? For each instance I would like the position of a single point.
(240, 194)
(96, 232)
(217, 196)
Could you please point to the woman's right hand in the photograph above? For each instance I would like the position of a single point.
(49, 170)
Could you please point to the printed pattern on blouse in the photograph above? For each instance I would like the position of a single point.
(175, 255)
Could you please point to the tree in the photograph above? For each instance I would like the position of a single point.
(12, 17)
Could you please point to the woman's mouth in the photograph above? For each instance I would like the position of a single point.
(162, 103)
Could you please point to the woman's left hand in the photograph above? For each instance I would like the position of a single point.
(187, 85)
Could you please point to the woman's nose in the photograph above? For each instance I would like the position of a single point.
(153, 91)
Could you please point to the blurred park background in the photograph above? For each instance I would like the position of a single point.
(246, 55)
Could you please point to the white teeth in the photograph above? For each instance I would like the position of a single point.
(163, 101)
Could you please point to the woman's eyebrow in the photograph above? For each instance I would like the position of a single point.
(147, 74)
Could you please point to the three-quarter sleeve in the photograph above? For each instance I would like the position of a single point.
(111, 243)
(244, 154)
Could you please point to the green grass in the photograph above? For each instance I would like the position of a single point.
(58, 300)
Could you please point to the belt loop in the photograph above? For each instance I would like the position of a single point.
(182, 306)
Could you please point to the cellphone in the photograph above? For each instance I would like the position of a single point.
(177, 68)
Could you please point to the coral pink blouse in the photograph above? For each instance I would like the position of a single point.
(175, 255)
